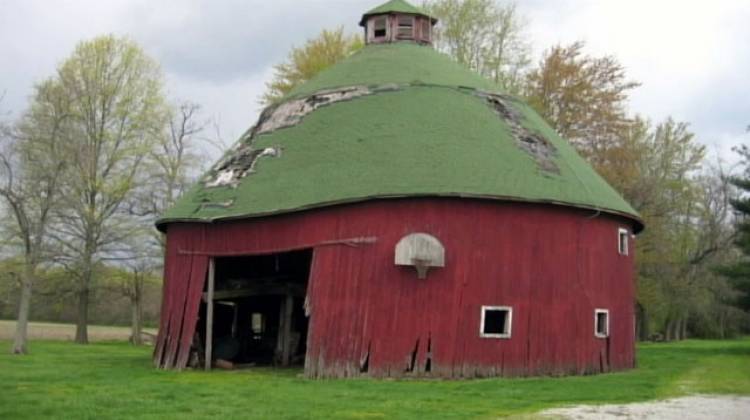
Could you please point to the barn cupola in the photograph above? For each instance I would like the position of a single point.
(397, 21)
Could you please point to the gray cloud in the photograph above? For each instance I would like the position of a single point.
(227, 40)
(692, 59)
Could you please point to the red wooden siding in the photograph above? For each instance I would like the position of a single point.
(183, 285)
(553, 265)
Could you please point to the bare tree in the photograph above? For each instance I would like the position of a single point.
(173, 160)
(171, 166)
(30, 170)
(135, 275)
(135, 293)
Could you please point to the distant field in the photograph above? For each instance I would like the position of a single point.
(63, 380)
(51, 331)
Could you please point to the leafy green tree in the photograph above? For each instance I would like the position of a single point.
(303, 63)
(584, 98)
(484, 35)
(660, 171)
(117, 113)
(739, 272)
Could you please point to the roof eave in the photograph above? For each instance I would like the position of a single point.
(638, 224)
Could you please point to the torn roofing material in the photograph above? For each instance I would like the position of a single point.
(529, 140)
(291, 112)
(241, 160)
(396, 140)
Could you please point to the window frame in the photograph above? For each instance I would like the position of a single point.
(598, 311)
(374, 21)
(412, 26)
(262, 323)
(508, 321)
(623, 245)
(425, 29)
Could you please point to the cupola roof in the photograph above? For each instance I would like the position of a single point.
(394, 6)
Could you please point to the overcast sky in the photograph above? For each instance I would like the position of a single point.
(692, 57)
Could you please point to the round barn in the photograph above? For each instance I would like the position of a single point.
(398, 215)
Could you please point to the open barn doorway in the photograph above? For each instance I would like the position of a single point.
(257, 311)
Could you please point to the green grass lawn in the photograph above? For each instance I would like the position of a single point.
(115, 380)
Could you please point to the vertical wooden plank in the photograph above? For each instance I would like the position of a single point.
(278, 356)
(210, 314)
(198, 275)
(180, 284)
(286, 349)
(169, 260)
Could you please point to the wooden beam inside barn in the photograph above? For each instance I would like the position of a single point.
(286, 350)
(296, 290)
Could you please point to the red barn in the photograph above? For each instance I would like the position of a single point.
(399, 216)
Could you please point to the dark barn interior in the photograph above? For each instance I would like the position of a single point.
(258, 311)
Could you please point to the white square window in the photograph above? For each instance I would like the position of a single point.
(601, 323)
(496, 322)
(622, 241)
(257, 323)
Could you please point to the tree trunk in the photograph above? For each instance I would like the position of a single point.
(683, 333)
(676, 329)
(136, 302)
(642, 332)
(668, 332)
(20, 341)
(82, 333)
(135, 324)
(82, 323)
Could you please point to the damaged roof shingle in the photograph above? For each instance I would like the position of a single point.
(533, 143)
(241, 160)
(238, 164)
(291, 112)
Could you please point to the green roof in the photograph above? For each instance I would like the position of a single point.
(393, 6)
(402, 63)
(419, 125)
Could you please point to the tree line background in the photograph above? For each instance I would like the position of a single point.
(101, 151)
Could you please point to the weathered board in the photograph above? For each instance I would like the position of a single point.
(553, 265)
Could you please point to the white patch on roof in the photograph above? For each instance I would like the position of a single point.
(222, 178)
(290, 113)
